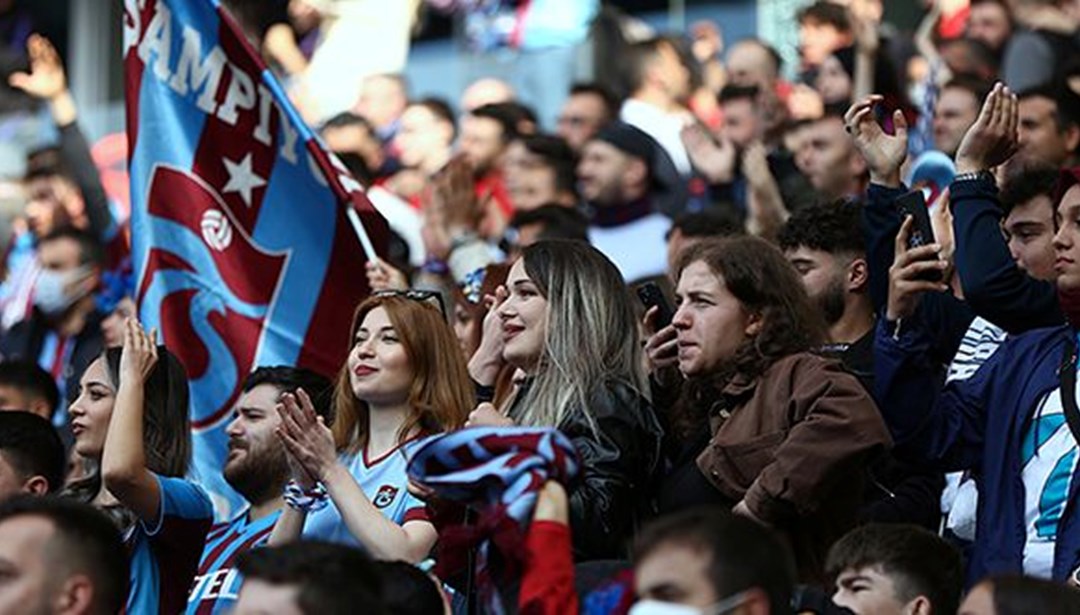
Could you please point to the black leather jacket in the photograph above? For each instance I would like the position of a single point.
(621, 465)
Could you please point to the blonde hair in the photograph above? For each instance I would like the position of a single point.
(592, 336)
(441, 394)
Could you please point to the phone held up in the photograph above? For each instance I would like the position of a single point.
(922, 232)
(650, 294)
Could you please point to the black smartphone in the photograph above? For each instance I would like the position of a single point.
(650, 295)
(922, 232)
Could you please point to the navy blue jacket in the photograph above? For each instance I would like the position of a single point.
(994, 286)
(977, 424)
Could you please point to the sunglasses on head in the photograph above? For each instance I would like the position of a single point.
(431, 297)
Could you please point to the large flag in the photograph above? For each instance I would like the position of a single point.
(244, 230)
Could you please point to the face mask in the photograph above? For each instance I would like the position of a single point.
(51, 294)
(655, 607)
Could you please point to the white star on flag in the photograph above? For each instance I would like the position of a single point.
(242, 179)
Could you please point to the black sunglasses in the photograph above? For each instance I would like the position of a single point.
(423, 296)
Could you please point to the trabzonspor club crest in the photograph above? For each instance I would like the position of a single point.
(212, 286)
(385, 496)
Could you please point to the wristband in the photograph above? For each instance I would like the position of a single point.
(975, 176)
(305, 500)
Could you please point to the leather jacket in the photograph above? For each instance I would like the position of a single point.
(621, 465)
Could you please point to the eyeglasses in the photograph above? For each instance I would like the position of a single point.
(431, 297)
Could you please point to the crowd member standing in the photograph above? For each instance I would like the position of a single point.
(131, 419)
(774, 432)
(257, 468)
(566, 322)
(405, 378)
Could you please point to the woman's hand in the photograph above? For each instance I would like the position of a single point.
(661, 347)
(139, 355)
(487, 361)
(305, 435)
(485, 415)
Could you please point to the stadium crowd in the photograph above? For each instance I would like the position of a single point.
(755, 345)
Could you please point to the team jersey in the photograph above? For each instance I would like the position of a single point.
(384, 481)
(217, 582)
(165, 555)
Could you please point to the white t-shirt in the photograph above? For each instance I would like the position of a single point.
(637, 248)
(960, 498)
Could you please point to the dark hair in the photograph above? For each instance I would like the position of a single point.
(1017, 595)
(30, 380)
(835, 228)
(705, 224)
(91, 251)
(1066, 102)
(406, 590)
(918, 561)
(287, 379)
(1027, 183)
(764, 282)
(826, 13)
(558, 155)
(166, 422)
(506, 115)
(611, 103)
(439, 108)
(640, 54)
(84, 541)
(33, 448)
(331, 579)
(346, 119)
(559, 222)
(738, 92)
(46, 162)
(971, 84)
(742, 554)
(977, 53)
(357, 167)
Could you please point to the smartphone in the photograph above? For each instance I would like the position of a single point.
(922, 232)
(650, 295)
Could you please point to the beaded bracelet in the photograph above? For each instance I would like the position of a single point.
(305, 500)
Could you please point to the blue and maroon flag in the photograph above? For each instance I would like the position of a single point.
(244, 229)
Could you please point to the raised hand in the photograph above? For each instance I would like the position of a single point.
(487, 361)
(717, 160)
(46, 79)
(661, 347)
(382, 276)
(905, 287)
(884, 153)
(139, 355)
(993, 138)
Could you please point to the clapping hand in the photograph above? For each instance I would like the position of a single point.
(993, 138)
(308, 440)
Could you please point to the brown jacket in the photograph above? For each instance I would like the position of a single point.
(792, 444)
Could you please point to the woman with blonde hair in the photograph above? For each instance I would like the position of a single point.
(565, 319)
(405, 378)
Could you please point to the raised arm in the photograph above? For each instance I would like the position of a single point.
(994, 285)
(47, 81)
(123, 462)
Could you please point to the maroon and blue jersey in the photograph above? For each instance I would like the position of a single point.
(165, 554)
(217, 583)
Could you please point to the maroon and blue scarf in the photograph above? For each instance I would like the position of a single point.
(498, 473)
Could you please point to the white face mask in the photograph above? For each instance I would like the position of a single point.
(656, 607)
(51, 290)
